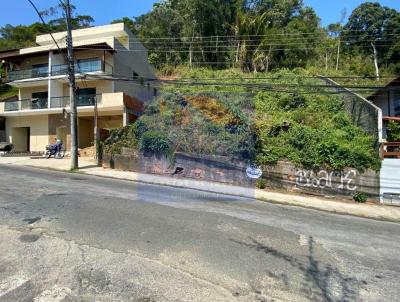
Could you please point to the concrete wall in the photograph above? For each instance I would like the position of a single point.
(128, 62)
(211, 168)
(26, 92)
(38, 130)
(345, 183)
(283, 176)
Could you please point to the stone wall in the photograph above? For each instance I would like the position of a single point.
(283, 176)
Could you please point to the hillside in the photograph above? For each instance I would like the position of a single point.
(259, 117)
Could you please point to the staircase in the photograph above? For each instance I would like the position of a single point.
(390, 181)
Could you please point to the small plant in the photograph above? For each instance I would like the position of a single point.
(393, 131)
(360, 197)
(261, 183)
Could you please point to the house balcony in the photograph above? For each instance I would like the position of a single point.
(55, 102)
(390, 148)
(108, 103)
(25, 77)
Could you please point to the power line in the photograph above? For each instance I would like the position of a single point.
(178, 40)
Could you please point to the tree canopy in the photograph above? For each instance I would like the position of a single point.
(255, 35)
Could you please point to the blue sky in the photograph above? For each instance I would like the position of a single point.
(103, 11)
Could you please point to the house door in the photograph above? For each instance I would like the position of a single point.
(20, 138)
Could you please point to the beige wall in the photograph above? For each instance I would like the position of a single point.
(39, 138)
(27, 64)
(26, 92)
(88, 54)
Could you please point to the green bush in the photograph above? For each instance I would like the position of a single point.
(261, 183)
(118, 139)
(393, 131)
(360, 197)
(320, 135)
(154, 142)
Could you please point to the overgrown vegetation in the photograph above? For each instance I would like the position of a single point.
(311, 130)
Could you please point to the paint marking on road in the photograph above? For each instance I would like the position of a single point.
(55, 294)
(16, 288)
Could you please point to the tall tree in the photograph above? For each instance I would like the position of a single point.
(367, 27)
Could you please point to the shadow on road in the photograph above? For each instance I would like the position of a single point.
(322, 282)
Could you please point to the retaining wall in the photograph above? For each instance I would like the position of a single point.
(283, 176)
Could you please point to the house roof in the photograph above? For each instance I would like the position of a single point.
(105, 36)
(20, 54)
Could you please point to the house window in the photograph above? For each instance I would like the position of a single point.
(85, 96)
(40, 70)
(89, 65)
(39, 100)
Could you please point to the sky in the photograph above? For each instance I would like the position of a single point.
(17, 12)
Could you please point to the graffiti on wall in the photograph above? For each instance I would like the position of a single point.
(324, 179)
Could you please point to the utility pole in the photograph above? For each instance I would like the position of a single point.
(72, 88)
(97, 155)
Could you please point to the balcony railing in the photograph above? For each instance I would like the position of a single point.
(55, 102)
(28, 73)
(80, 100)
(11, 105)
(62, 69)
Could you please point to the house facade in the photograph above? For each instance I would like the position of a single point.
(388, 100)
(111, 69)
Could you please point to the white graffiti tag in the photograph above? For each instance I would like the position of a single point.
(324, 179)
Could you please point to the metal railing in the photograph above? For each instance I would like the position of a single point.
(28, 73)
(11, 106)
(55, 102)
(62, 69)
(83, 67)
(80, 100)
(33, 104)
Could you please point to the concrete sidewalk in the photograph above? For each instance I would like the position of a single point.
(87, 166)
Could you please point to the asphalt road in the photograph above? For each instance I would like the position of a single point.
(73, 237)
